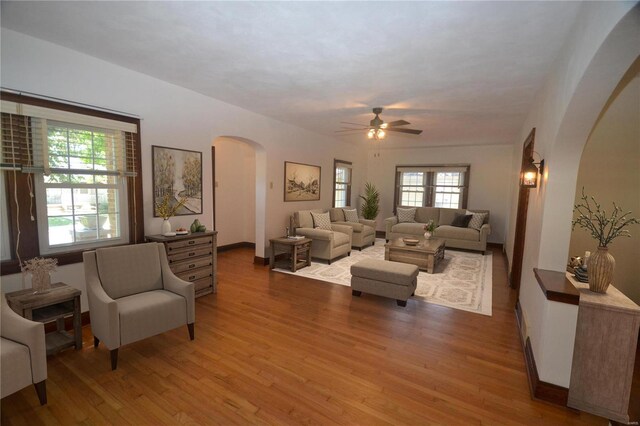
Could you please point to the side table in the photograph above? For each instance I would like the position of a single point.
(299, 251)
(55, 305)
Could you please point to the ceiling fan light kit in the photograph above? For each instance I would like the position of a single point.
(377, 128)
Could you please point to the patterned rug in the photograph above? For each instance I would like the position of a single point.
(462, 280)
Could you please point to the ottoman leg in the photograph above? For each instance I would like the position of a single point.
(402, 303)
(356, 293)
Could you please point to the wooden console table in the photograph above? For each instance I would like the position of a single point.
(55, 305)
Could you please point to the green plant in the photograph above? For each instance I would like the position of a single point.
(430, 226)
(371, 202)
(602, 227)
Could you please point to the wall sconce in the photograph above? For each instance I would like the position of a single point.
(530, 172)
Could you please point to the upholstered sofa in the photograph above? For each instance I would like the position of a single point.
(364, 231)
(24, 354)
(455, 237)
(326, 245)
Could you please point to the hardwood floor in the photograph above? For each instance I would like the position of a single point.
(278, 349)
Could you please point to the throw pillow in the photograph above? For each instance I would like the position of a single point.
(321, 221)
(406, 215)
(461, 220)
(477, 220)
(350, 215)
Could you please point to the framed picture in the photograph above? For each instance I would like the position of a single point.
(301, 182)
(177, 174)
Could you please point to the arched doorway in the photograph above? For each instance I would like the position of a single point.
(239, 192)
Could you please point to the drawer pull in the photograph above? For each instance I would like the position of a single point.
(192, 277)
(193, 265)
(192, 254)
(192, 242)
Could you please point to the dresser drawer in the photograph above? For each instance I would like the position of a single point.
(192, 276)
(191, 242)
(203, 286)
(189, 254)
(191, 264)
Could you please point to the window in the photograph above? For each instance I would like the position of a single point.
(81, 167)
(342, 184)
(82, 200)
(432, 186)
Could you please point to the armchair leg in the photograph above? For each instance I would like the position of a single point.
(356, 293)
(191, 331)
(96, 342)
(114, 358)
(41, 390)
(402, 303)
(329, 262)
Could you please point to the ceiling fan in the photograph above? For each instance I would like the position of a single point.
(377, 128)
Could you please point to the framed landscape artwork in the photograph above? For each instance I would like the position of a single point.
(301, 182)
(177, 174)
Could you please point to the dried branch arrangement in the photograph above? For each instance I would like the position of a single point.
(166, 208)
(603, 228)
(40, 265)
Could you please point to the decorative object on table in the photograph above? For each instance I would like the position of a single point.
(301, 182)
(604, 228)
(196, 226)
(581, 274)
(177, 174)
(429, 228)
(182, 231)
(370, 202)
(40, 269)
(411, 241)
(166, 209)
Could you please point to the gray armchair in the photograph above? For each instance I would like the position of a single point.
(326, 245)
(134, 295)
(364, 231)
(23, 359)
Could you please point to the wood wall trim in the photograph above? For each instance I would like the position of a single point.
(542, 391)
(556, 287)
(262, 261)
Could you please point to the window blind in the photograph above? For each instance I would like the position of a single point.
(25, 140)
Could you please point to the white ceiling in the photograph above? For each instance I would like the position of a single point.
(464, 72)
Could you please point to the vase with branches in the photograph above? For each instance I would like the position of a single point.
(370, 202)
(604, 228)
(167, 208)
(40, 269)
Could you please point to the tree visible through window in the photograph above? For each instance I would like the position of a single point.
(83, 194)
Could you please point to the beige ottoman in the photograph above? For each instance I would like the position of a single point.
(394, 280)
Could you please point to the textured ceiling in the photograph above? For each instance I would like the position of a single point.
(464, 72)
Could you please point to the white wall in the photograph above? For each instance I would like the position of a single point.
(610, 172)
(174, 116)
(600, 48)
(488, 186)
(235, 179)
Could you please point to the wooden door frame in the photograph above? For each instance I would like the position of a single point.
(213, 183)
(521, 217)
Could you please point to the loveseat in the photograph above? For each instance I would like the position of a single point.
(326, 244)
(455, 237)
(364, 230)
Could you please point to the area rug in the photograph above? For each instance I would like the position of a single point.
(462, 280)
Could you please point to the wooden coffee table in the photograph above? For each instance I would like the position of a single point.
(426, 254)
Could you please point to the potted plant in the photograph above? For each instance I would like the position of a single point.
(603, 228)
(429, 228)
(370, 202)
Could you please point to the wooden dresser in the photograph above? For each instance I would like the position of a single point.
(193, 258)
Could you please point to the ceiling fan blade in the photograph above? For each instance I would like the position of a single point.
(397, 123)
(412, 131)
(355, 124)
(349, 130)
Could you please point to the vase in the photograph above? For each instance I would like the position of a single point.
(166, 227)
(600, 269)
(427, 235)
(40, 282)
